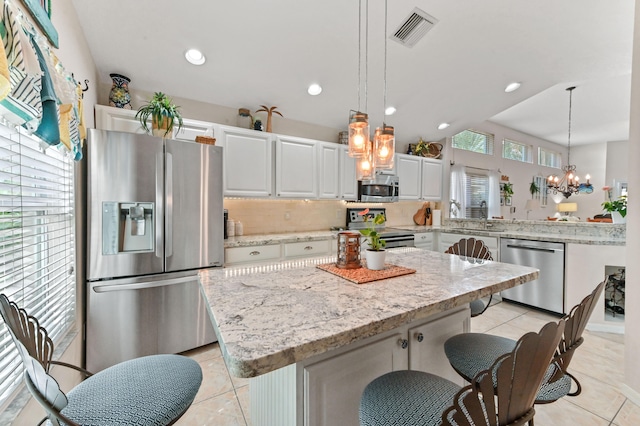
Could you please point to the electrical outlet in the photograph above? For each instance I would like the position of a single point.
(512, 209)
(287, 215)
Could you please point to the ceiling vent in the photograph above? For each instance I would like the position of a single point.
(412, 29)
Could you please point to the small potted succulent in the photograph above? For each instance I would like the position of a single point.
(375, 254)
(164, 115)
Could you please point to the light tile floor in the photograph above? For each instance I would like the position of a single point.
(598, 364)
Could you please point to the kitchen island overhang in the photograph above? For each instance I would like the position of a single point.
(271, 316)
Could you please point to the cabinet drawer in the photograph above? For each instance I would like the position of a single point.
(306, 248)
(251, 254)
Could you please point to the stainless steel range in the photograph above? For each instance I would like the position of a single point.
(394, 237)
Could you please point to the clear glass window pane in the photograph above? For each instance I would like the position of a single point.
(471, 140)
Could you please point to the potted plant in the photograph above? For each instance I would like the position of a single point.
(375, 254)
(533, 188)
(164, 115)
(507, 190)
(617, 208)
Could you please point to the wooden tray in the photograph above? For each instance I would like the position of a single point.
(364, 275)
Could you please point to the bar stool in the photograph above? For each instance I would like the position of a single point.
(469, 353)
(502, 395)
(473, 249)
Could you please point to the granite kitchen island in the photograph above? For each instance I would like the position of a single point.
(311, 340)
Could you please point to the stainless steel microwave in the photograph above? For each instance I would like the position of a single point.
(383, 188)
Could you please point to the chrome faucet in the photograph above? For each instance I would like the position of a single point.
(484, 213)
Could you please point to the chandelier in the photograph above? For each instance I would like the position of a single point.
(376, 154)
(569, 183)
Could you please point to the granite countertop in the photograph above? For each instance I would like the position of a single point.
(562, 232)
(272, 316)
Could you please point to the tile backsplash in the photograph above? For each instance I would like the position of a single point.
(280, 216)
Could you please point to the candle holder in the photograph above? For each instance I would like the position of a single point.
(348, 250)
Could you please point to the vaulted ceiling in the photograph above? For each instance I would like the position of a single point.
(268, 52)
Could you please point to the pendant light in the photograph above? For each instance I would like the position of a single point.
(364, 164)
(358, 120)
(569, 183)
(384, 143)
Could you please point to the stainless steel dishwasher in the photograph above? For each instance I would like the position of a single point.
(547, 292)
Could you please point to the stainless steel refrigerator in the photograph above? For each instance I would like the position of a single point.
(154, 219)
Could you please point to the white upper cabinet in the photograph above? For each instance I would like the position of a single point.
(118, 119)
(431, 179)
(192, 128)
(247, 162)
(296, 167)
(124, 120)
(348, 181)
(408, 168)
(420, 178)
(329, 170)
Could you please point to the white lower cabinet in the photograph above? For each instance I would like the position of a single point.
(328, 388)
(423, 240)
(235, 255)
(306, 249)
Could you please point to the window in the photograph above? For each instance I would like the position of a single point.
(517, 151)
(541, 195)
(36, 242)
(477, 190)
(549, 158)
(471, 140)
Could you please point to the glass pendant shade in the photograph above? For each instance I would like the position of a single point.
(384, 148)
(364, 165)
(358, 134)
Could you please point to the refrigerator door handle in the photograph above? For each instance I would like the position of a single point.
(139, 286)
(159, 196)
(168, 249)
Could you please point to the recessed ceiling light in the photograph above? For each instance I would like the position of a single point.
(443, 126)
(195, 57)
(512, 87)
(390, 110)
(314, 89)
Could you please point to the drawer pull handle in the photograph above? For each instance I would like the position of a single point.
(308, 248)
(254, 253)
(404, 343)
(419, 337)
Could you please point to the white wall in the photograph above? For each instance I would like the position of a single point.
(631, 386)
(520, 174)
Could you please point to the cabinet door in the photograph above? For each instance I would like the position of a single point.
(431, 179)
(333, 387)
(329, 177)
(423, 240)
(348, 181)
(119, 119)
(247, 162)
(408, 167)
(426, 344)
(296, 168)
(192, 128)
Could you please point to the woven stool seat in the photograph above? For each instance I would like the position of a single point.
(404, 398)
(152, 390)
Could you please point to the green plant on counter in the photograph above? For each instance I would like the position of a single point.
(375, 242)
(163, 112)
(619, 205)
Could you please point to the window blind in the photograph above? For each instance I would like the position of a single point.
(477, 190)
(36, 242)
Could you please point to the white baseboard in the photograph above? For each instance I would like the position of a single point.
(633, 395)
(607, 328)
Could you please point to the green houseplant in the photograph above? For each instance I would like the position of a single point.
(375, 254)
(507, 190)
(619, 205)
(164, 115)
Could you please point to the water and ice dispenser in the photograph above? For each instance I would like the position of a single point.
(127, 227)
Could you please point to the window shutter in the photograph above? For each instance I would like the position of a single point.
(477, 190)
(36, 242)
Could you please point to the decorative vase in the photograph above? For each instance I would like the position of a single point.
(616, 217)
(119, 96)
(161, 127)
(375, 259)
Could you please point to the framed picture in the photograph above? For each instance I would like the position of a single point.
(507, 201)
(502, 201)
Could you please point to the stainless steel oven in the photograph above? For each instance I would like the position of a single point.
(393, 237)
